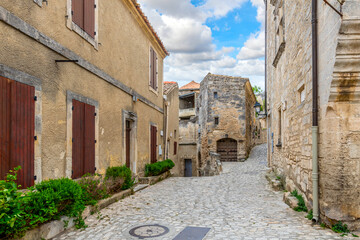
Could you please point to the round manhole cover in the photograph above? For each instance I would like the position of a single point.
(149, 231)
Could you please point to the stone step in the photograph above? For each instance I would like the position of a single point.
(140, 187)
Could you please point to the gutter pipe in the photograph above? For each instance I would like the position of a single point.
(315, 124)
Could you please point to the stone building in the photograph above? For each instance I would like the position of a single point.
(226, 118)
(86, 80)
(188, 129)
(314, 120)
(171, 125)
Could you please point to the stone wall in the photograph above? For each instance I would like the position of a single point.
(289, 72)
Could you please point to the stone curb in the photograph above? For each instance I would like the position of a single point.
(155, 179)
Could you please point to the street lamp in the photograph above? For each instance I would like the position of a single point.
(257, 107)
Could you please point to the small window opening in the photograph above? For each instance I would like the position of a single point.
(216, 121)
(215, 95)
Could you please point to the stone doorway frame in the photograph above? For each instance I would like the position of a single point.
(132, 117)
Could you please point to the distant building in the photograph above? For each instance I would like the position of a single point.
(226, 118)
(188, 129)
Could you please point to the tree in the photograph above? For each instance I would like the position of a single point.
(257, 90)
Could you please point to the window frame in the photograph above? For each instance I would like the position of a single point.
(74, 27)
(156, 80)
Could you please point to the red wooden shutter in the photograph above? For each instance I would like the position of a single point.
(77, 139)
(83, 148)
(153, 144)
(5, 86)
(89, 139)
(17, 121)
(89, 17)
(78, 12)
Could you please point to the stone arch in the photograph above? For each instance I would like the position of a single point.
(228, 149)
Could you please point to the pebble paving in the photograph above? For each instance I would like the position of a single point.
(238, 204)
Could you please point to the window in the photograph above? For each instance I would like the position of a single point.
(216, 121)
(302, 94)
(215, 95)
(83, 139)
(279, 130)
(174, 133)
(17, 110)
(153, 70)
(175, 148)
(153, 144)
(83, 15)
(279, 18)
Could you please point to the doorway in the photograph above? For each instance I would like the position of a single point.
(227, 148)
(128, 143)
(188, 168)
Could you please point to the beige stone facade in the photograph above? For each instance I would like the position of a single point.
(110, 71)
(226, 118)
(289, 89)
(171, 122)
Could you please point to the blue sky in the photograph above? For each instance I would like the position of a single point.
(222, 37)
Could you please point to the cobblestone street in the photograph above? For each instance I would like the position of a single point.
(238, 204)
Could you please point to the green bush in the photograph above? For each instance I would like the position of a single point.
(93, 188)
(12, 215)
(43, 202)
(52, 199)
(339, 227)
(155, 169)
(123, 172)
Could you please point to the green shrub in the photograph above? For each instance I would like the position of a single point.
(43, 202)
(117, 173)
(52, 199)
(93, 188)
(158, 168)
(12, 215)
(301, 203)
(310, 215)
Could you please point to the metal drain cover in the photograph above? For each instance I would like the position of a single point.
(149, 231)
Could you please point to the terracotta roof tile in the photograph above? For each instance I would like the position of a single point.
(191, 85)
(138, 8)
(169, 86)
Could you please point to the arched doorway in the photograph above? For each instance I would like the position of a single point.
(227, 148)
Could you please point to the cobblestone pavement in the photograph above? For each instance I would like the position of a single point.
(238, 204)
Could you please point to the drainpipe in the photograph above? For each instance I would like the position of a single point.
(315, 126)
(166, 152)
(266, 114)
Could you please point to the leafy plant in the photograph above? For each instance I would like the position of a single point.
(301, 207)
(117, 173)
(158, 168)
(52, 199)
(93, 188)
(12, 215)
(310, 215)
(339, 227)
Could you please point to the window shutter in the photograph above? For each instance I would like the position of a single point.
(89, 17)
(78, 12)
(78, 139)
(153, 144)
(155, 72)
(89, 139)
(151, 67)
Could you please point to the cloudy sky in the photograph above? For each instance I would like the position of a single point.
(218, 36)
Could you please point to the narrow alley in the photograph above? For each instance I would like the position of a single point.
(238, 204)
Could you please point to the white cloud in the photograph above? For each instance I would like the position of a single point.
(193, 54)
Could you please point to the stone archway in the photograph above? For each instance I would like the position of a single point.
(227, 148)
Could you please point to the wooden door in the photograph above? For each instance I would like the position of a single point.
(153, 144)
(128, 142)
(227, 148)
(17, 128)
(83, 148)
